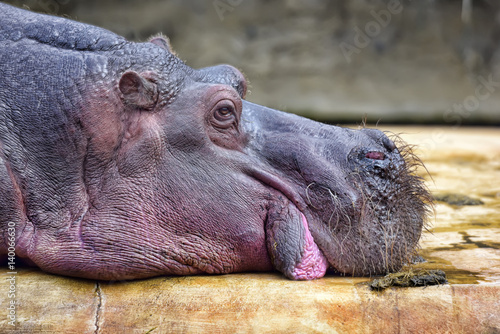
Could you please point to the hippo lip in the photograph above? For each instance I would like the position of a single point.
(311, 263)
(275, 182)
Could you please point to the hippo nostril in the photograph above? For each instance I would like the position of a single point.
(389, 144)
(375, 155)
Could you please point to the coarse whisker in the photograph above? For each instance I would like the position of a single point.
(308, 197)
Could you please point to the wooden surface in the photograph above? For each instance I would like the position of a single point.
(464, 241)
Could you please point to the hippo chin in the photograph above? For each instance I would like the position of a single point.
(118, 161)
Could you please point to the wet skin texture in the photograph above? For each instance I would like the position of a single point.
(118, 161)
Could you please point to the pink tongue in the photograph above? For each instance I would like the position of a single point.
(313, 264)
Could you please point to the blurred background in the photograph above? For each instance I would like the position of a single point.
(425, 62)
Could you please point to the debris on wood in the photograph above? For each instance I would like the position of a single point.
(409, 278)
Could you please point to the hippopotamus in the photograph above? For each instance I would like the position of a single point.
(118, 161)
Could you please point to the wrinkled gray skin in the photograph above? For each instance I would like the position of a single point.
(118, 161)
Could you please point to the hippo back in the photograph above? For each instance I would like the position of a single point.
(43, 63)
(58, 32)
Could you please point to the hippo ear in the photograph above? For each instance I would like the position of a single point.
(162, 41)
(138, 91)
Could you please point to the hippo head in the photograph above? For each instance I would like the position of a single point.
(173, 172)
(203, 181)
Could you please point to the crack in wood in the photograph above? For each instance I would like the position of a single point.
(98, 296)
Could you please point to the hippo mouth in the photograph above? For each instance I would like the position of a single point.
(292, 247)
(290, 243)
(313, 263)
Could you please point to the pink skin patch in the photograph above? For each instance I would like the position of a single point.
(375, 155)
(313, 264)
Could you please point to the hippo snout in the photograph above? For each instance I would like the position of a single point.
(352, 182)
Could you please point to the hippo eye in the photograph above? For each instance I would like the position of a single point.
(224, 113)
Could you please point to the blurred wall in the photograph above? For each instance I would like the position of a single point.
(393, 61)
